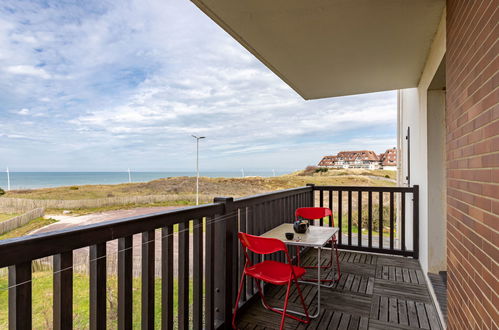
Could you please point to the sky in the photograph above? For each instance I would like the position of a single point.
(110, 85)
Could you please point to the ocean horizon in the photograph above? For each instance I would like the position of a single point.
(35, 180)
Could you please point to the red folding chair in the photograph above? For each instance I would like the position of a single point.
(269, 271)
(316, 213)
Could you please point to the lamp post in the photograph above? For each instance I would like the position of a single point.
(197, 165)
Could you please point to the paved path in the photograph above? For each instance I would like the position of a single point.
(67, 221)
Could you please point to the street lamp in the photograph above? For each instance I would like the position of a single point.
(197, 165)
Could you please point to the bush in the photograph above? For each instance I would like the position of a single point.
(2, 192)
(321, 169)
(387, 176)
(309, 170)
(74, 188)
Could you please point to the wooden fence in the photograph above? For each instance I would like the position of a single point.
(20, 220)
(24, 204)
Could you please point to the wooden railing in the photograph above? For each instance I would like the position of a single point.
(215, 261)
(378, 215)
(213, 266)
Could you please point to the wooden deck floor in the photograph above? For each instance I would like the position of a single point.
(375, 292)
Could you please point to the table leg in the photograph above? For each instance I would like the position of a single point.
(319, 284)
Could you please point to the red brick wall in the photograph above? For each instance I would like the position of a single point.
(473, 163)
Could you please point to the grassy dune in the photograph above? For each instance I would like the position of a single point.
(185, 186)
(27, 228)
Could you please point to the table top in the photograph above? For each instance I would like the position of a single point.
(315, 236)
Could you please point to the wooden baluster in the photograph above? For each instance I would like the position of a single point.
(340, 216)
(392, 218)
(148, 279)
(359, 219)
(63, 291)
(20, 297)
(197, 288)
(380, 212)
(350, 217)
(402, 220)
(210, 274)
(183, 276)
(125, 278)
(370, 218)
(98, 286)
(321, 204)
(331, 217)
(167, 277)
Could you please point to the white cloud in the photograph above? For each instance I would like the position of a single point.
(130, 81)
(22, 112)
(28, 71)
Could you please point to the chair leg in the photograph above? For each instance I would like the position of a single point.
(277, 310)
(285, 305)
(302, 300)
(262, 296)
(237, 302)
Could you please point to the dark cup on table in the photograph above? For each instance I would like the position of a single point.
(289, 236)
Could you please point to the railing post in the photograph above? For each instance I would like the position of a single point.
(312, 194)
(63, 291)
(226, 266)
(20, 310)
(415, 220)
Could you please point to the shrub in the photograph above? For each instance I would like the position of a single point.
(309, 170)
(74, 188)
(2, 192)
(321, 169)
(387, 176)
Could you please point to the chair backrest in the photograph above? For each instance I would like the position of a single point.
(313, 213)
(261, 245)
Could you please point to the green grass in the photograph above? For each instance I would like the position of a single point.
(27, 228)
(43, 299)
(7, 216)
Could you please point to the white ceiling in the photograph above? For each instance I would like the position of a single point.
(324, 48)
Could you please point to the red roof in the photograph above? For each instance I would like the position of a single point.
(389, 158)
(364, 155)
(327, 161)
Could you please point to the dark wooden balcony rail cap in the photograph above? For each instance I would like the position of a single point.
(260, 198)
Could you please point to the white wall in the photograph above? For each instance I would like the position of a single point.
(409, 116)
(413, 113)
(437, 233)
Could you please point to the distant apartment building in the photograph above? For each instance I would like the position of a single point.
(362, 159)
(388, 160)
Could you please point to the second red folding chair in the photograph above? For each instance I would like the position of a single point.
(316, 213)
(269, 271)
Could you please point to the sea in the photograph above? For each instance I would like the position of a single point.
(34, 180)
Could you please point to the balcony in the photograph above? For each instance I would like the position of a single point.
(190, 264)
(375, 292)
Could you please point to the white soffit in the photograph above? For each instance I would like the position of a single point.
(325, 48)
